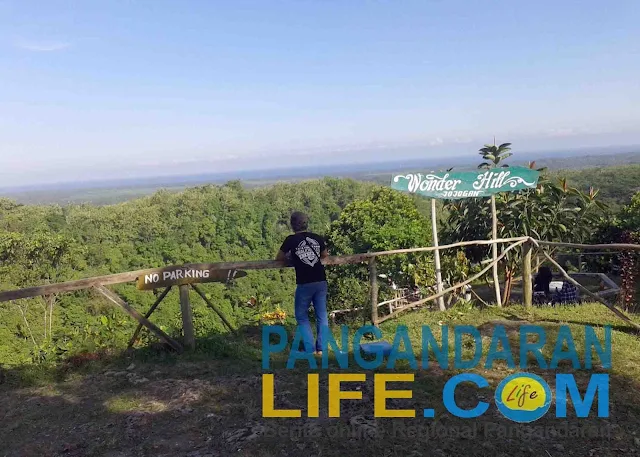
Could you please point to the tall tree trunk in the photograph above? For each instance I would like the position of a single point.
(508, 280)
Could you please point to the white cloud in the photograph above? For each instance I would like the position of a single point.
(562, 132)
(436, 142)
(42, 46)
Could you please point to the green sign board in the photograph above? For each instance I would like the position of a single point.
(466, 184)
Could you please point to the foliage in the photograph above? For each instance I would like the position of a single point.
(554, 211)
(42, 244)
(628, 271)
(456, 268)
(494, 155)
(617, 184)
(387, 220)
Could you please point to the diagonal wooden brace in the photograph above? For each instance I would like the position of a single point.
(214, 307)
(139, 317)
(146, 316)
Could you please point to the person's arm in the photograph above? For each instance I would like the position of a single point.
(281, 256)
(324, 252)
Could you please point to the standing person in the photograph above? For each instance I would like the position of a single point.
(305, 250)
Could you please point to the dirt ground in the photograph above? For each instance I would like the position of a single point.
(214, 409)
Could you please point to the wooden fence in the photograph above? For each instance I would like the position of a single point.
(526, 244)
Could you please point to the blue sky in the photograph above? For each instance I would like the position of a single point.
(98, 89)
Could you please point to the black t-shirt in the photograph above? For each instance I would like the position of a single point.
(305, 249)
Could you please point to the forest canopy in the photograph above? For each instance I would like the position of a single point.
(42, 244)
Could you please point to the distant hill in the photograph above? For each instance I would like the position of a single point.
(590, 161)
(116, 191)
(617, 184)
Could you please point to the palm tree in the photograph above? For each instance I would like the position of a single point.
(493, 155)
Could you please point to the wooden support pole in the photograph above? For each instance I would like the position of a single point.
(494, 249)
(213, 307)
(139, 317)
(596, 297)
(187, 318)
(527, 283)
(373, 289)
(133, 339)
(436, 253)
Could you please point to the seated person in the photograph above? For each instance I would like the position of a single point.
(542, 281)
(567, 294)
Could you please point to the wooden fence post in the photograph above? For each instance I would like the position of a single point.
(494, 250)
(434, 226)
(527, 287)
(373, 283)
(187, 318)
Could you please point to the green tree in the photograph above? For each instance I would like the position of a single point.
(554, 211)
(386, 220)
(494, 155)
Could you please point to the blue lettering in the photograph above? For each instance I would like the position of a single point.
(499, 336)
(597, 383)
(564, 335)
(449, 399)
(342, 354)
(535, 348)
(296, 354)
(402, 335)
(267, 347)
(591, 340)
(442, 353)
(460, 364)
(364, 364)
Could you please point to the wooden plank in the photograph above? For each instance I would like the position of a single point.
(616, 246)
(139, 317)
(130, 276)
(187, 318)
(608, 281)
(527, 286)
(146, 316)
(214, 307)
(373, 290)
(177, 275)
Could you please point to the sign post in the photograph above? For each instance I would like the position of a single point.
(494, 250)
(467, 184)
(436, 253)
(185, 277)
(179, 275)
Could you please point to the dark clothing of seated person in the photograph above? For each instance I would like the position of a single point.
(542, 280)
(567, 294)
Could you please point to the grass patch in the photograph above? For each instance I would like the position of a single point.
(210, 401)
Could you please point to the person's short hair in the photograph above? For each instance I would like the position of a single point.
(546, 273)
(299, 221)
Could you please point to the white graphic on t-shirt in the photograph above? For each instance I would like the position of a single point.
(305, 252)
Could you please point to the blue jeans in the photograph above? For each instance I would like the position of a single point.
(315, 292)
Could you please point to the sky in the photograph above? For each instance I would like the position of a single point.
(102, 89)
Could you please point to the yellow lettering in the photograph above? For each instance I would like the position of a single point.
(268, 400)
(335, 394)
(313, 395)
(381, 394)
